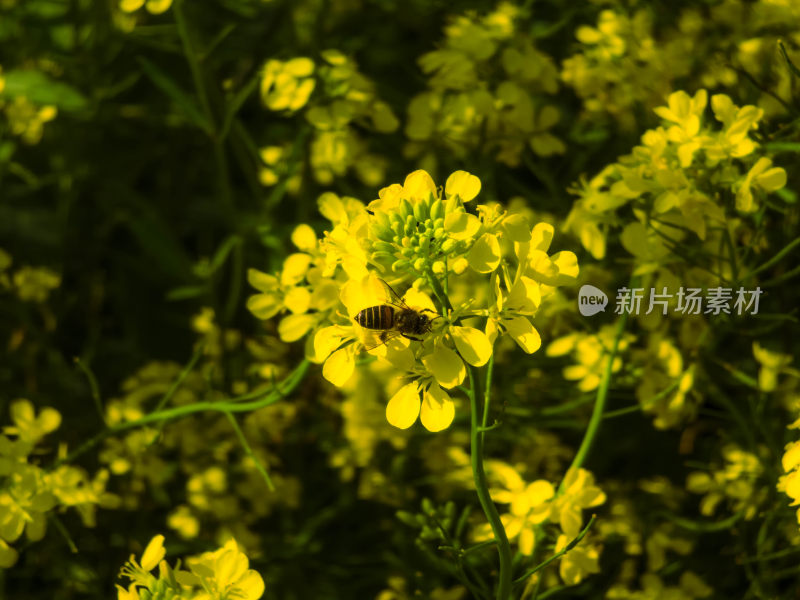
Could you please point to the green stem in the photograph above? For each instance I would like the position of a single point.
(482, 488)
(224, 406)
(476, 459)
(95, 389)
(600, 401)
(243, 441)
(774, 260)
(558, 555)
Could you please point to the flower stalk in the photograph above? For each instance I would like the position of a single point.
(477, 430)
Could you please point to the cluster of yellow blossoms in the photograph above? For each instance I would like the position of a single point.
(533, 505)
(624, 62)
(29, 493)
(492, 265)
(339, 100)
(488, 90)
(674, 178)
(25, 118)
(223, 573)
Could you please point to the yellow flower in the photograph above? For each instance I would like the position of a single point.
(29, 427)
(591, 352)
(771, 364)
(34, 284)
(223, 573)
(287, 85)
(154, 7)
(736, 482)
(580, 492)
(27, 120)
(579, 562)
(529, 504)
(761, 178)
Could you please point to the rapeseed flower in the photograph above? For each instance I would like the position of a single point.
(414, 233)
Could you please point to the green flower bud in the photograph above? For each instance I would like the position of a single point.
(438, 267)
(419, 264)
(399, 265)
(381, 246)
(437, 210)
(448, 245)
(420, 211)
(405, 209)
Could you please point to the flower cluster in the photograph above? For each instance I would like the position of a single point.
(223, 573)
(423, 236)
(26, 119)
(343, 101)
(30, 284)
(534, 505)
(674, 180)
(624, 62)
(488, 89)
(28, 493)
(736, 482)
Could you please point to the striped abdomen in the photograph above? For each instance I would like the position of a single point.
(376, 317)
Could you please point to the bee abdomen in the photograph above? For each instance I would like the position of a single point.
(376, 317)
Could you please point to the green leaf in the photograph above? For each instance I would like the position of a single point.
(171, 89)
(186, 292)
(782, 146)
(40, 89)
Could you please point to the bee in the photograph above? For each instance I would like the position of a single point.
(385, 321)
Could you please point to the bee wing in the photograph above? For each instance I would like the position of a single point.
(372, 338)
(392, 297)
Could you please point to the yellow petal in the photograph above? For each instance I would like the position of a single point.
(524, 333)
(294, 268)
(264, 306)
(772, 180)
(156, 7)
(461, 225)
(304, 238)
(153, 553)
(293, 327)
(49, 419)
(438, 410)
(329, 339)
(263, 282)
(340, 366)
(541, 236)
(403, 409)
(299, 67)
(419, 300)
(791, 458)
(298, 300)
(446, 366)
(484, 257)
(131, 5)
(464, 184)
(473, 345)
(250, 585)
(517, 228)
(418, 185)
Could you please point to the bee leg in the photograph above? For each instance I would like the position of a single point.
(409, 337)
(384, 335)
